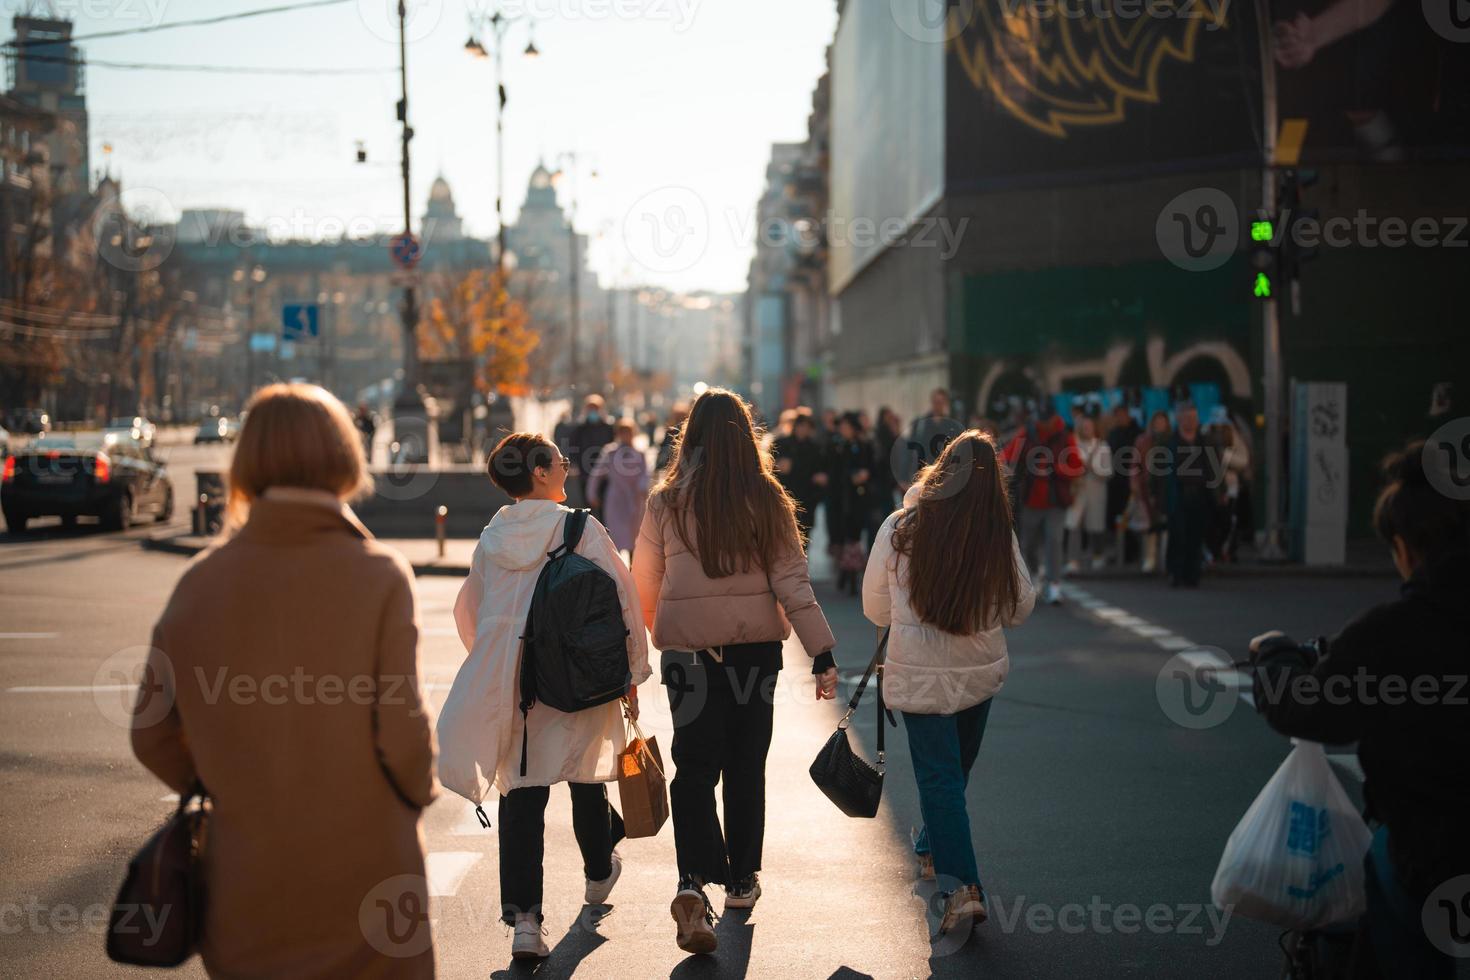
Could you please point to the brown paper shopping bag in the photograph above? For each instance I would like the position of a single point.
(641, 785)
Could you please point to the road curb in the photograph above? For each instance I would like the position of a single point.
(188, 546)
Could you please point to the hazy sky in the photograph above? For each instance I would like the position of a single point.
(674, 102)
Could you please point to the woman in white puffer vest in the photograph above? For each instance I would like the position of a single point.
(946, 575)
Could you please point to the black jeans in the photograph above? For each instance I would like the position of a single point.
(722, 731)
(597, 825)
(1187, 525)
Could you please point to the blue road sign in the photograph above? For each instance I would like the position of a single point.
(300, 321)
(406, 250)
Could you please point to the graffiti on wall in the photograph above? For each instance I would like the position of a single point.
(1051, 372)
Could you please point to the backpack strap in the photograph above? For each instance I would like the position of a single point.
(571, 534)
(576, 523)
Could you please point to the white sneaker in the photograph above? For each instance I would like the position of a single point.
(964, 909)
(528, 944)
(743, 894)
(598, 891)
(1053, 595)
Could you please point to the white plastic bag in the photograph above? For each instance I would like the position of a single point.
(1296, 857)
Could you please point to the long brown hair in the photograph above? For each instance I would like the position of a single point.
(722, 477)
(962, 575)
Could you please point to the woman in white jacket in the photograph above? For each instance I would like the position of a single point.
(946, 574)
(481, 728)
(1088, 512)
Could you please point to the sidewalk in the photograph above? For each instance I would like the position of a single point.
(838, 893)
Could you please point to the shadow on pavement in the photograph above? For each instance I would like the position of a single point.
(580, 941)
(736, 934)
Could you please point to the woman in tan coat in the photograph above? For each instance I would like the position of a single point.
(284, 679)
(722, 576)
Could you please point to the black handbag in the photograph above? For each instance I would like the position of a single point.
(159, 911)
(845, 778)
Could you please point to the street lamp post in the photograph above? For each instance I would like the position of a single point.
(408, 311)
(498, 26)
(567, 164)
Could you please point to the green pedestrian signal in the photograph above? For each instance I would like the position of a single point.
(1261, 231)
(1263, 286)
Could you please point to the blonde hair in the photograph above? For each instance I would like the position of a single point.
(295, 435)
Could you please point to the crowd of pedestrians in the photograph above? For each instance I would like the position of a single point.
(1091, 491)
(717, 587)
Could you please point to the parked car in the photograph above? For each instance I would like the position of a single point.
(71, 477)
(136, 428)
(30, 421)
(220, 428)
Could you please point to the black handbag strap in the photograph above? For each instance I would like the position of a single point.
(876, 664)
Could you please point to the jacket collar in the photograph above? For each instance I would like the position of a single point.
(290, 520)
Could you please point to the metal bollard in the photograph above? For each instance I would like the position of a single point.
(440, 517)
(199, 515)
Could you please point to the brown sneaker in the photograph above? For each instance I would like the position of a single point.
(963, 909)
(694, 918)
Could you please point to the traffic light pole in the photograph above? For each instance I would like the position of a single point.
(1271, 380)
(408, 393)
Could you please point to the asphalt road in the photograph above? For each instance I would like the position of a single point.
(1098, 820)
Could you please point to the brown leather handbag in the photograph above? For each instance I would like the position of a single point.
(159, 912)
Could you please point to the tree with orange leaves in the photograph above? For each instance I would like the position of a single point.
(476, 317)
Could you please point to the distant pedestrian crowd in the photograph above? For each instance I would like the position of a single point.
(1093, 491)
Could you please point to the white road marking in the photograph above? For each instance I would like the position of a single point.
(29, 636)
(169, 798)
(1189, 651)
(446, 871)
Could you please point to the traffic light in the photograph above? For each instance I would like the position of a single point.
(1264, 257)
(1296, 218)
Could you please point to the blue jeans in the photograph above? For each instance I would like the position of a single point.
(944, 749)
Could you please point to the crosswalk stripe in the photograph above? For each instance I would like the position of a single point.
(29, 636)
(1172, 642)
(446, 871)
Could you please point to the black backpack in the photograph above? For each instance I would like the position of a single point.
(574, 653)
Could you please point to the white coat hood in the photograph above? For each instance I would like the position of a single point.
(520, 534)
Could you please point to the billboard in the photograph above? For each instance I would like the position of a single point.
(1377, 80)
(1047, 91)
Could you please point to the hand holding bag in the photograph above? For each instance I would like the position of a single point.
(159, 911)
(1296, 858)
(838, 771)
(642, 789)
